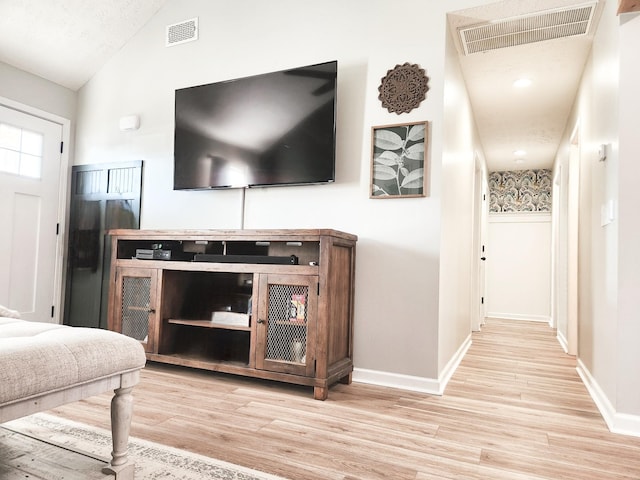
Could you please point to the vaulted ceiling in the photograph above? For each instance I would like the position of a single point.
(68, 41)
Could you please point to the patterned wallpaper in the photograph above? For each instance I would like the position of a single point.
(520, 191)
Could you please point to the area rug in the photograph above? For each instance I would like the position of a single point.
(152, 461)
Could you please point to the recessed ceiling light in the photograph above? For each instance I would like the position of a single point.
(522, 83)
(519, 153)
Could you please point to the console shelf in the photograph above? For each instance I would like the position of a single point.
(298, 315)
(208, 324)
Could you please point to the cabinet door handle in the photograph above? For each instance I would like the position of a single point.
(152, 310)
(260, 321)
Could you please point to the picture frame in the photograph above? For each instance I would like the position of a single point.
(399, 160)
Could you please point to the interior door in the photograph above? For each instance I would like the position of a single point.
(482, 276)
(479, 255)
(30, 159)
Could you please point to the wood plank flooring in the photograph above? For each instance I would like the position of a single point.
(24, 458)
(515, 409)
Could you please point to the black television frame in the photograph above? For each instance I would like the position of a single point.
(270, 129)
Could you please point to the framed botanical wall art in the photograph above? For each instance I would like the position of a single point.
(398, 160)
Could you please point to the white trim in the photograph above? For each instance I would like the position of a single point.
(562, 341)
(36, 112)
(620, 423)
(520, 317)
(412, 383)
(519, 217)
(397, 380)
(452, 365)
(58, 292)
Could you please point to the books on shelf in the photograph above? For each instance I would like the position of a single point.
(226, 317)
(297, 308)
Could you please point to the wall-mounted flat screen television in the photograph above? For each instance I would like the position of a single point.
(272, 129)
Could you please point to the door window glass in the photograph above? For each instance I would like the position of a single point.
(20, 151)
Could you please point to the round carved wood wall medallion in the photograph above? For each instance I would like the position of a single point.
(403, 88)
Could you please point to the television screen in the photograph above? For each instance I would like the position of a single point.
(272, 129)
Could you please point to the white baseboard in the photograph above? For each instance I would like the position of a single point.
(397, 380)
(453, 363)
(412, 383)
(562, 341)
(518, 316)
(620, 423)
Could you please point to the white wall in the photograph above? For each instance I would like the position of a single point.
(37, 92)
(627, 401)
(597, 117)
(399, 248)
(519, 266)
(608, 330)
(460, 148)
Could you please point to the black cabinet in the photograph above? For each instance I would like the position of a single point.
(103, 197)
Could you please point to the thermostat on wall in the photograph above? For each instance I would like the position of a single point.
(129, 122)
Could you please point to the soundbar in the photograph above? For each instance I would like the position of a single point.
(215, 258)
(159, 254)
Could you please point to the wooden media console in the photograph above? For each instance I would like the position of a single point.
(212, 299)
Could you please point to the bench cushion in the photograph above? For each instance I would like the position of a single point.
(38, 358)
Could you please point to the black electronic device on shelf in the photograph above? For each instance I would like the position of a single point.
(255, 259)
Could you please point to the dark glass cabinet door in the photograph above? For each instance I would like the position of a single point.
(103, 197)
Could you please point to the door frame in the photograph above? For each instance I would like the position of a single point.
(65, 123)
(478, 245)
(573, 248)
(565, 247)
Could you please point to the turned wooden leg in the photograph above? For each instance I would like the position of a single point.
(121, 411)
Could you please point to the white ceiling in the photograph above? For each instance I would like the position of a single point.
(532, 119)
(67, 41)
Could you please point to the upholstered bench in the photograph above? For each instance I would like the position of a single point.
(45, 365)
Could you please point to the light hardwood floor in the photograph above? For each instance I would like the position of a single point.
(515, 409)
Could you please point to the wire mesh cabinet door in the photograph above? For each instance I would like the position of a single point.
(286, 324)
(135, 298)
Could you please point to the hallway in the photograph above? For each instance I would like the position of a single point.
(528, 410)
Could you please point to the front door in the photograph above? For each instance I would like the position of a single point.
(30, 160)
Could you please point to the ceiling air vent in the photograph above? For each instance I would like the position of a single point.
(530, 28)
(182, 32)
